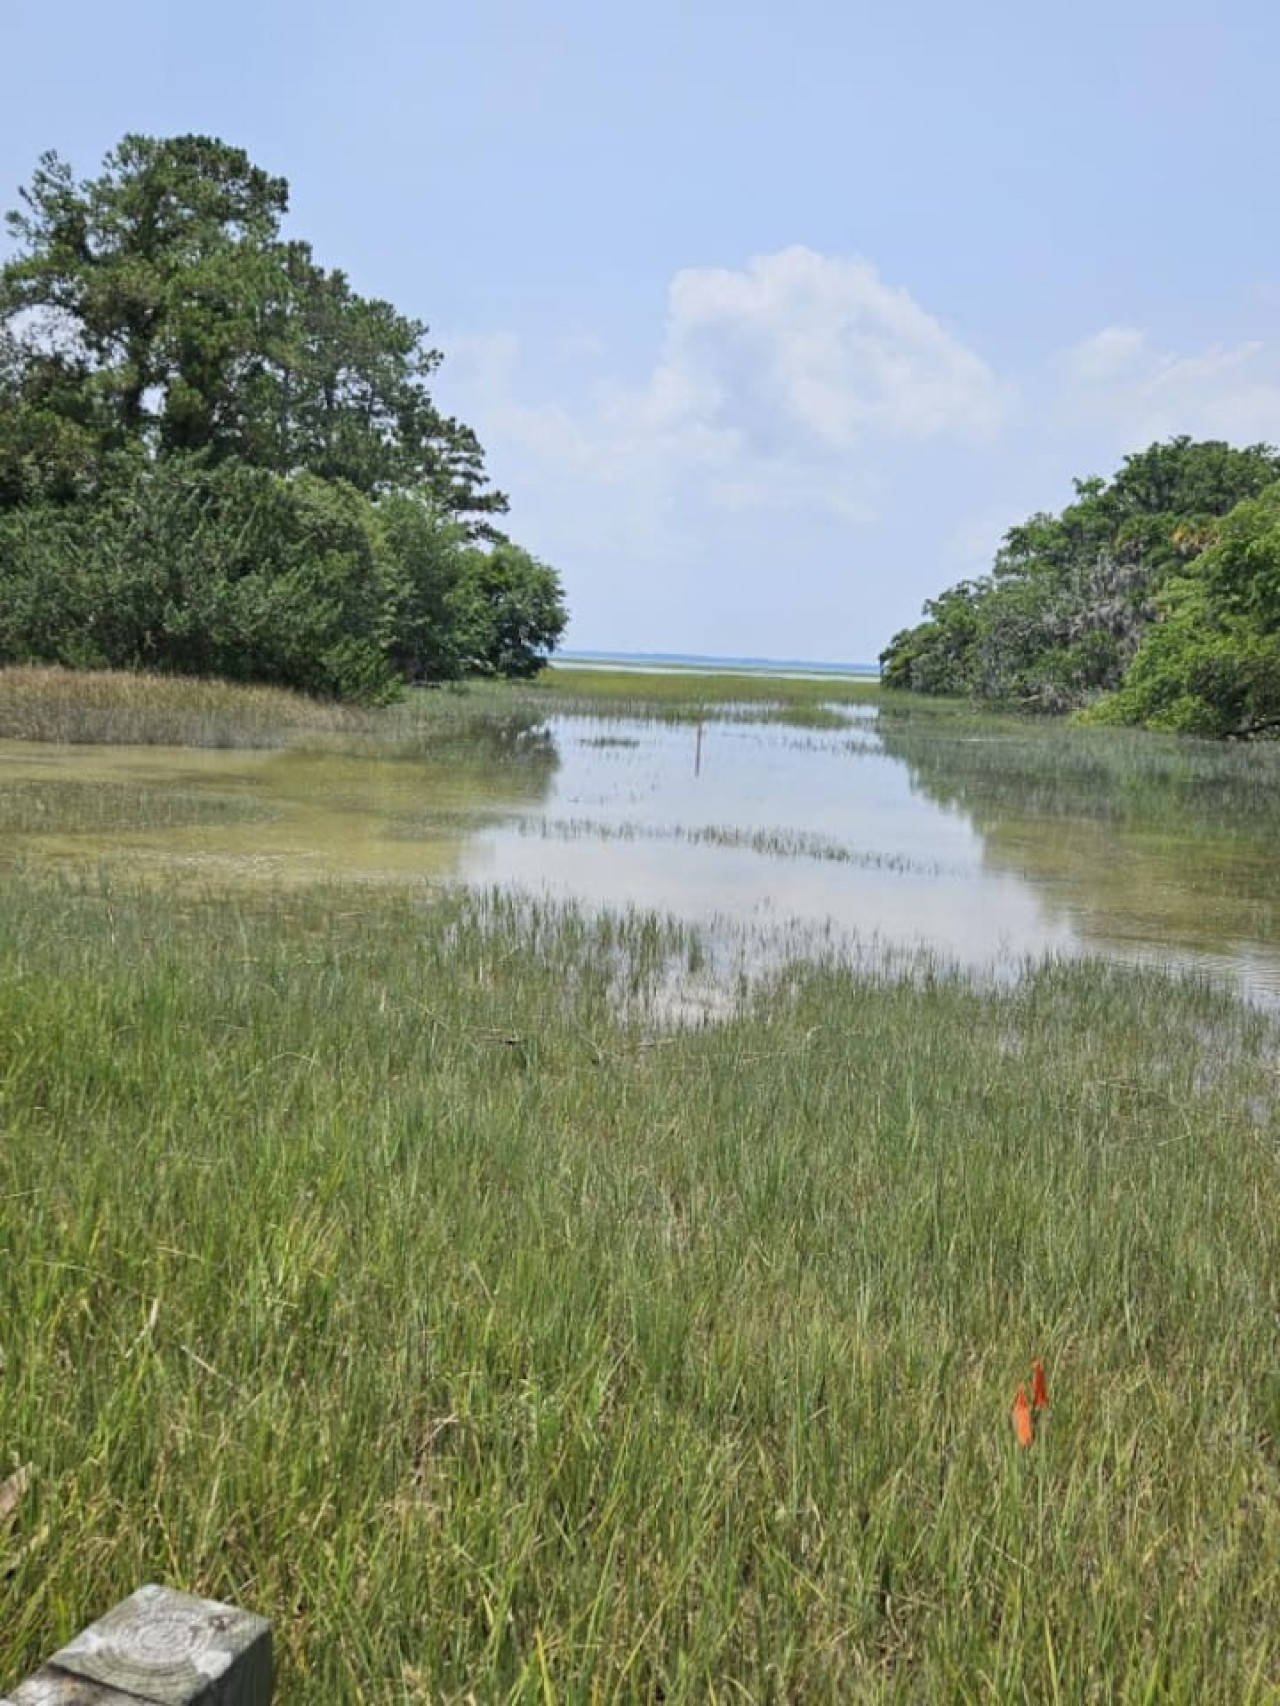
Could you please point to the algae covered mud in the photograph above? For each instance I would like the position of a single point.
(874, 826)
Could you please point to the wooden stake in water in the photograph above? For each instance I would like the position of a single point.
(159, 1648)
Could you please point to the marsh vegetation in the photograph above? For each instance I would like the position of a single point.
(405, 1256)
(734, 802)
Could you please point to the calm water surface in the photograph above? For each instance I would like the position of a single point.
(845, 831)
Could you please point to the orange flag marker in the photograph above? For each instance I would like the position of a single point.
(1022, 1425)
(1039, 1387)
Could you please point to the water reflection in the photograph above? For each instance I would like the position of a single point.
(1146, 849)
(903, 834)
(985, 842)
(763, 825)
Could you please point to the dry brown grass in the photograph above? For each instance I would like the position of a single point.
(111, 707)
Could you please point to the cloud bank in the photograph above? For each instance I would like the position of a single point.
(810, 451)
(1119, 376)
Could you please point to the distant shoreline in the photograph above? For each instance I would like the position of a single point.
(677, 663)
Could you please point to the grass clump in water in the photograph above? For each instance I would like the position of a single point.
(768, 843)
(370, 1262)
(992, 765)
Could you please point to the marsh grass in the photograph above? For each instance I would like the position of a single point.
(705, 687)
(492, 720)
(111, 707)
(998, 765)
(48, 807)
(770, 843)
(399, 1266)
(117, 708)
(693, 696)
(370, 1262)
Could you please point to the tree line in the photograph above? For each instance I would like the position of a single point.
(1152, 599)
(216, 457)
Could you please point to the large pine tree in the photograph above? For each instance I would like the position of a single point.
(158, 306)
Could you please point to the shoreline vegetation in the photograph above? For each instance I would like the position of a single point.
(218, 459)
(138, 708)
(135, 707)
(1153, 599)
(395, 1263)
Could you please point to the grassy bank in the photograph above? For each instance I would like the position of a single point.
(359, 1262)
(119, 708)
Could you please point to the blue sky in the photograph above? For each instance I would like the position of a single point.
(771, 317)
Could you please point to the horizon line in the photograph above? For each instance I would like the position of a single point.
(600, 654)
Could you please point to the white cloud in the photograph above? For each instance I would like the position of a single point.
(1120, 378)
(720, 500)
(807, 452)
(776, 386)
(806, 350)
(1116, 352)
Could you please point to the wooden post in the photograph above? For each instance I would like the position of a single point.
(159, 1648)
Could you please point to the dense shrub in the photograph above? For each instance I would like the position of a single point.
(225, 570)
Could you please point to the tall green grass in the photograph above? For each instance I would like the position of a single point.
(361, 1261)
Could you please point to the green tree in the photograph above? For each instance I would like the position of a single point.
(427, 548)
(157, 304)
(217, 458)
(145, 277)
(50, 428)
(938, 655)
(1070, 597)
(206, 568)
(1211, 664)
(508, 611)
